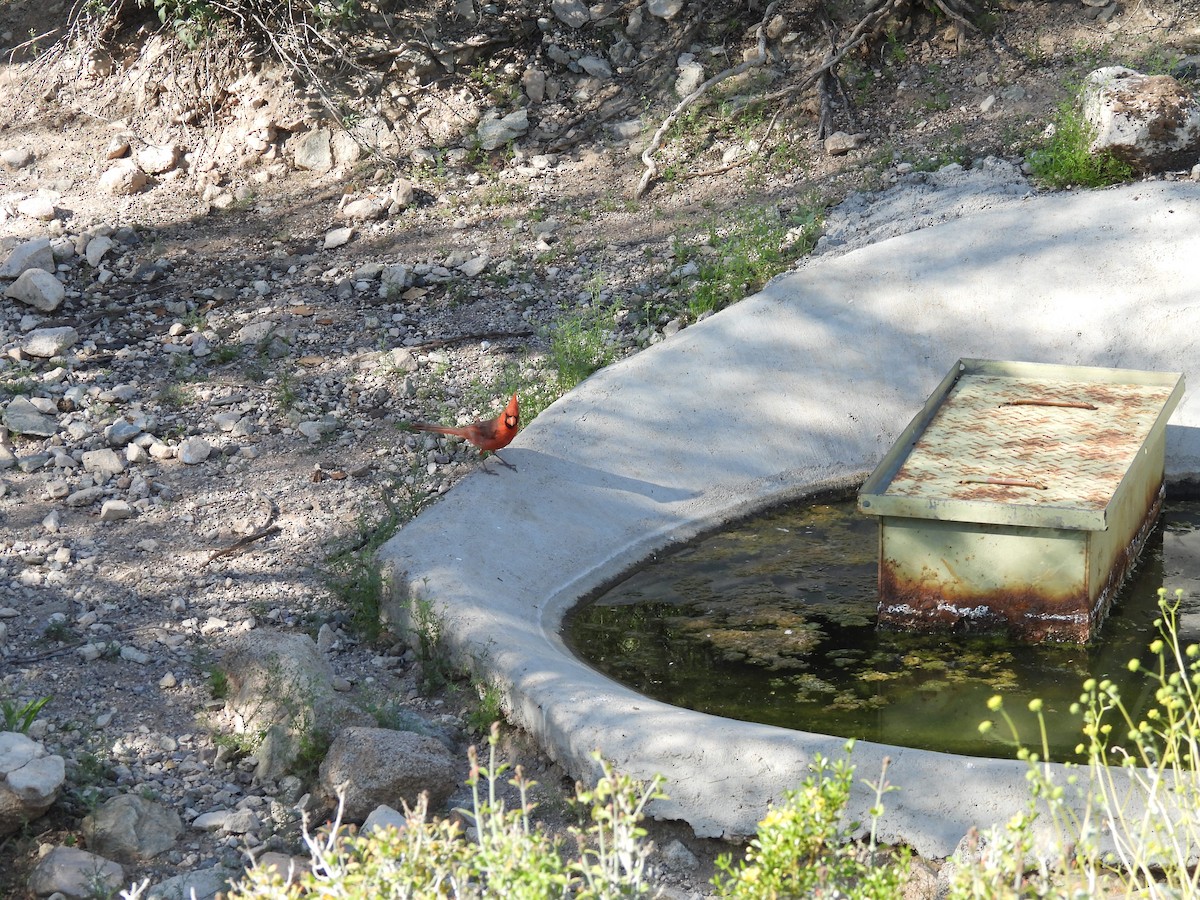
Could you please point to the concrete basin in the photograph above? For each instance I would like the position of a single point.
(800, 388)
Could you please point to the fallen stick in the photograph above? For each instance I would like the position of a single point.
(242, 542)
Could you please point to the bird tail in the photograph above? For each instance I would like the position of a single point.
(438, 429)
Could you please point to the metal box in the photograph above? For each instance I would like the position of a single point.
(1019, 497)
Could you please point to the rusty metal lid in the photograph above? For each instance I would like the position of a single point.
(1022, 444)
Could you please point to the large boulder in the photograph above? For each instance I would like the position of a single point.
(30, 779)
(369, 767)
(281, 686)
(76, 875)
(1151, 122)
(131, 828)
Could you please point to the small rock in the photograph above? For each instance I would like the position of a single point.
(105, 461)
(38, 207)
(39, 289)
(493, 132)
(115, 511)
(595, 66)
(132, 654)
(572, 13)
(123, 178)
(158, 159)
(46, 343)
(204, 884)
(129, 827)
(96, 248)
(34, 254)
(22, 417)
(664, 9)
(474, 266)
(193, 451)
(16, 157)
(365, 208)
(840, 143)
(691, 75)
(123, 430)
(383, 817)
(338, 237)
(313, 151)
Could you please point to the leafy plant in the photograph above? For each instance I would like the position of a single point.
(579, 345)
(490, 708)
(19, 718)
(1067, 160)
(353, 574)
(506, 855)
(805, 847)
(747, 252)
(1129, 819)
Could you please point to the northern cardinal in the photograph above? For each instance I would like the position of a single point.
(489, 436)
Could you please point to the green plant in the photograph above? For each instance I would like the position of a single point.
(489, 710)
(580, 343)
(805, 847)
(426, 627)
(1067, 160)
(352, 573)
(218, 684)
(286, 393)
(1127, 821)
(749, 250)
(19, 718)
(57, 630)
(508, 854)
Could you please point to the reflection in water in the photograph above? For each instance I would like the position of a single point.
(773, 621)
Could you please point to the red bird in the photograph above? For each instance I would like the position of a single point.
(489, 436)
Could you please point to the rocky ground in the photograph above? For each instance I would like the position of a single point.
(209, 406)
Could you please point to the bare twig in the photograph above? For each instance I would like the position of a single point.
(760, 57)
(242, 542)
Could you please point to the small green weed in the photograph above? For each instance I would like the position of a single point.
(580, 343)
(1125, 823)
(805, 848)
(218, 684)
(507, 853)
(750, 250)
(19, 718)
(489, 710)
(1067, 161)
(352, 573)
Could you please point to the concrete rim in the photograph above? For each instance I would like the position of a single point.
(800, 388)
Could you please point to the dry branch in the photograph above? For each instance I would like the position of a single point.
(761, 57)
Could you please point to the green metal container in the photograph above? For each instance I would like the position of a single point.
(1019, 497)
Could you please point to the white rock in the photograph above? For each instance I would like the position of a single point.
(493, 133)
(34, 254)
(134, 655)
(96, 248)
(664, 9)
(383, 817)
(158, 159)
(115, 510)
(22, 417)
(104, 461)
(123, 178)
(572, 13)
(338, 237)
(46, 343)
(38, 207)
(39, 289)
(192, 451)
(75, 874)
